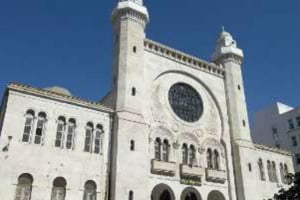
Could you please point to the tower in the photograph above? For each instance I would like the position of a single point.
(229, 56)
(130, 166)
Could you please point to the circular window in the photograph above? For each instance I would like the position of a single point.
(185, 102)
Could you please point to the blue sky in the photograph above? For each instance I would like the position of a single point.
(69, 42)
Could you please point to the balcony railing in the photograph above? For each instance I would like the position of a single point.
(191, 171)
(215, 175)
(163, 167)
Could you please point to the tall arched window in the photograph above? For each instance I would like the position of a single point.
(90, 191)
(40, 128)
(281, 172)
(59, 189)
(185, 154)
(286, 172)
(192, 155)
(269, 167)
(88, 137)
(70, 134)
(274, 172)
(157, 149)
(98, 139)
(261, 170)
(28, 126)
(216, 158)
(166, 150)
(130, 196)
(209, 158)
(24, 187)
(61, 125)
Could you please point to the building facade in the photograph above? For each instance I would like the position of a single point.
(278, 125)
(172, 127)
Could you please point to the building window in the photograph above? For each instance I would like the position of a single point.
(291, 124)
(282, 175)
(261, 170)
(298, 121)
(24, 187)
(209, 159)
(70, 134)
(39, 132)
(297, 157)
(294, 141)
(166, 151)
(99, 139)
(274, 172)
(269, 167)
(88, 137)
(285, 172)
(134, 49)
(157, 149)
(185, 154)
(249, 167)
(28, 126)
(61, 125)
(133, 91)
(130, 196)
(192, 155)
(216, 160)
(59, 189)
(132, 145)
(90, 191)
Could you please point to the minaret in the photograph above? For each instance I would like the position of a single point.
(230, 57)
(130, 144)
(129, 19)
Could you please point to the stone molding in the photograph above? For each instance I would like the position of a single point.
(58, 97)
(230, 57)
(183, 58)
(131, 14)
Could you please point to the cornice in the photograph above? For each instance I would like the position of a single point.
(183, 58)
(229, 57)
(58, 97)
(273, 149)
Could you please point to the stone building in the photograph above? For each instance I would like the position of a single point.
(279, 125)
(172, 127)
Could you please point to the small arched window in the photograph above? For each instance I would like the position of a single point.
(132, 145)
(59, 189)
(133, 91)
(71, 134)
(157, 150)
(130, 196)
(274, 172)
(286, 172)
(88, 137)
(209, 158)
(28, 126)
(281, 172)
(166, 150)
(98, 139)
(61, 125)
(192, 155)
(269, 167)
(24, 187)
(40, 128)
(261, 170)
(185, 154)
(216, 160)
(90, 191)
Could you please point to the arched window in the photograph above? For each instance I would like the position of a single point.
(39, 132)
(70, 134)
(166, 150)
(285, 172)
(24, 187)
(274, 172)
(28, 126)
(61, 125)
(192, 155)
(59, 189)
(216, 158)
(90, 191)
(281, 172)
(132, 145)
(98, 139)
(88, 137)
(269, 167)
(157, 149)
(185, 154)
(261, 170)
(130, 196)
(209, 159)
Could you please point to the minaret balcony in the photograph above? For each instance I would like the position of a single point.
(215, 175)
(163, 167)
(191, 171)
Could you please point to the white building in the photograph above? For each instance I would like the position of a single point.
(279, 125)
(172, 127)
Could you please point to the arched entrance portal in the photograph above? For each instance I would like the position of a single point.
(190, 194)
(162, 192)
(215, 195)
